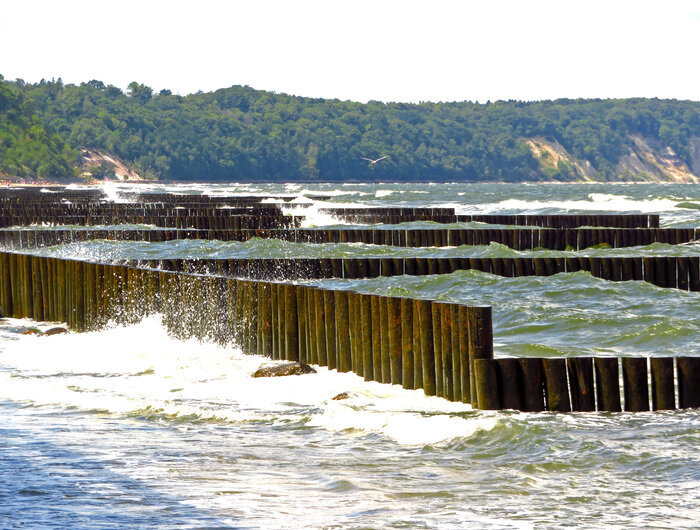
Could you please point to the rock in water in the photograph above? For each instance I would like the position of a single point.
(2, 312)
(284, 369)
(342, 395)
(54, 331)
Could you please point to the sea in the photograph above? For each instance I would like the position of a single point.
(128, 427)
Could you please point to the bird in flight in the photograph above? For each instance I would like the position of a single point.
(375, 160)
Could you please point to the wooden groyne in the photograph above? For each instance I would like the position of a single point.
(333, 328)
(445, 349)
(516, 238)
(679, 272)
(23, 207)
(206, 221)
(448, 215)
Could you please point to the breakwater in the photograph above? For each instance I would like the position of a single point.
(517, 238)
(445, 349)
(25, 206)
(681, 272)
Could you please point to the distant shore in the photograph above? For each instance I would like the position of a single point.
(12, 184)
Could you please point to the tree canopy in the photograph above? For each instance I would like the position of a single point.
(239, 133)
(27, 148)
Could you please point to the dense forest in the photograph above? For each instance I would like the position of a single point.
(27, 148)
(239, 133)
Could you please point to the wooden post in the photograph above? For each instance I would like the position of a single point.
(7, 280)
(78, 289)
(407, 357)
(635, 384)
(509, 384)
(274, 327)
(395, 343)
(384, 338)
(480, 337)
(27, 298)
(532, 384)
(688, 382)
(281, 333)
(313, 325)
(581, 382)
(417, 356)
(437, 349)
(556, 386)
(355, 328)
(244, 311)
(607, 377)
(45, 296)
(329, 309)
(366, 320)
(90, 301)
(342, 331)
(463, 334)
(320, 327)
(253, 318)
(302, 323)
(663, 393)
(265, 322)
(455, 353)
(446, 348)
(37, 306)
(375, 304)
(291, 326)
(426, 346)
(486, 384)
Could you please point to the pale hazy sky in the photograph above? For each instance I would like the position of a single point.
(435, 50)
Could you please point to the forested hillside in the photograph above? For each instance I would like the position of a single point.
(239, 133)
(27, 148)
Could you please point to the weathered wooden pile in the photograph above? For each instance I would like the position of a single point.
(445, 349)
(515, 238)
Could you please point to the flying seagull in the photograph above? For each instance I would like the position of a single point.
(375, 160)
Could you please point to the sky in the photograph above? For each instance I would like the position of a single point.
(385, 50)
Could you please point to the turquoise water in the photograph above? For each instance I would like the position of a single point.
(128, 427)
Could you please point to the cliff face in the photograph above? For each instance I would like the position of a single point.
(648, 160)
(103, 165)
(645, 161)
(557, 162)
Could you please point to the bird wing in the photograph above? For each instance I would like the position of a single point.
(382, 158)
(368, 159)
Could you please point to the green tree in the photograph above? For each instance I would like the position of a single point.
(140, 92)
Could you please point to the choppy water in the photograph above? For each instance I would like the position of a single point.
(130, 428)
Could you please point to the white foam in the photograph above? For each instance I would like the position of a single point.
(111, 192)
(313, 217)
(139, 370)
(596, 202)
(405, 425)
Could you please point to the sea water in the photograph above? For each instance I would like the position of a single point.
(128, 427)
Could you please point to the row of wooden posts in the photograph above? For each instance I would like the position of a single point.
(31, 196)
(670, 271)
(201, 222)
(375, 215)
(18, 203)
(374, 336)
(445, 349)
(515, 238)
(680, 272)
